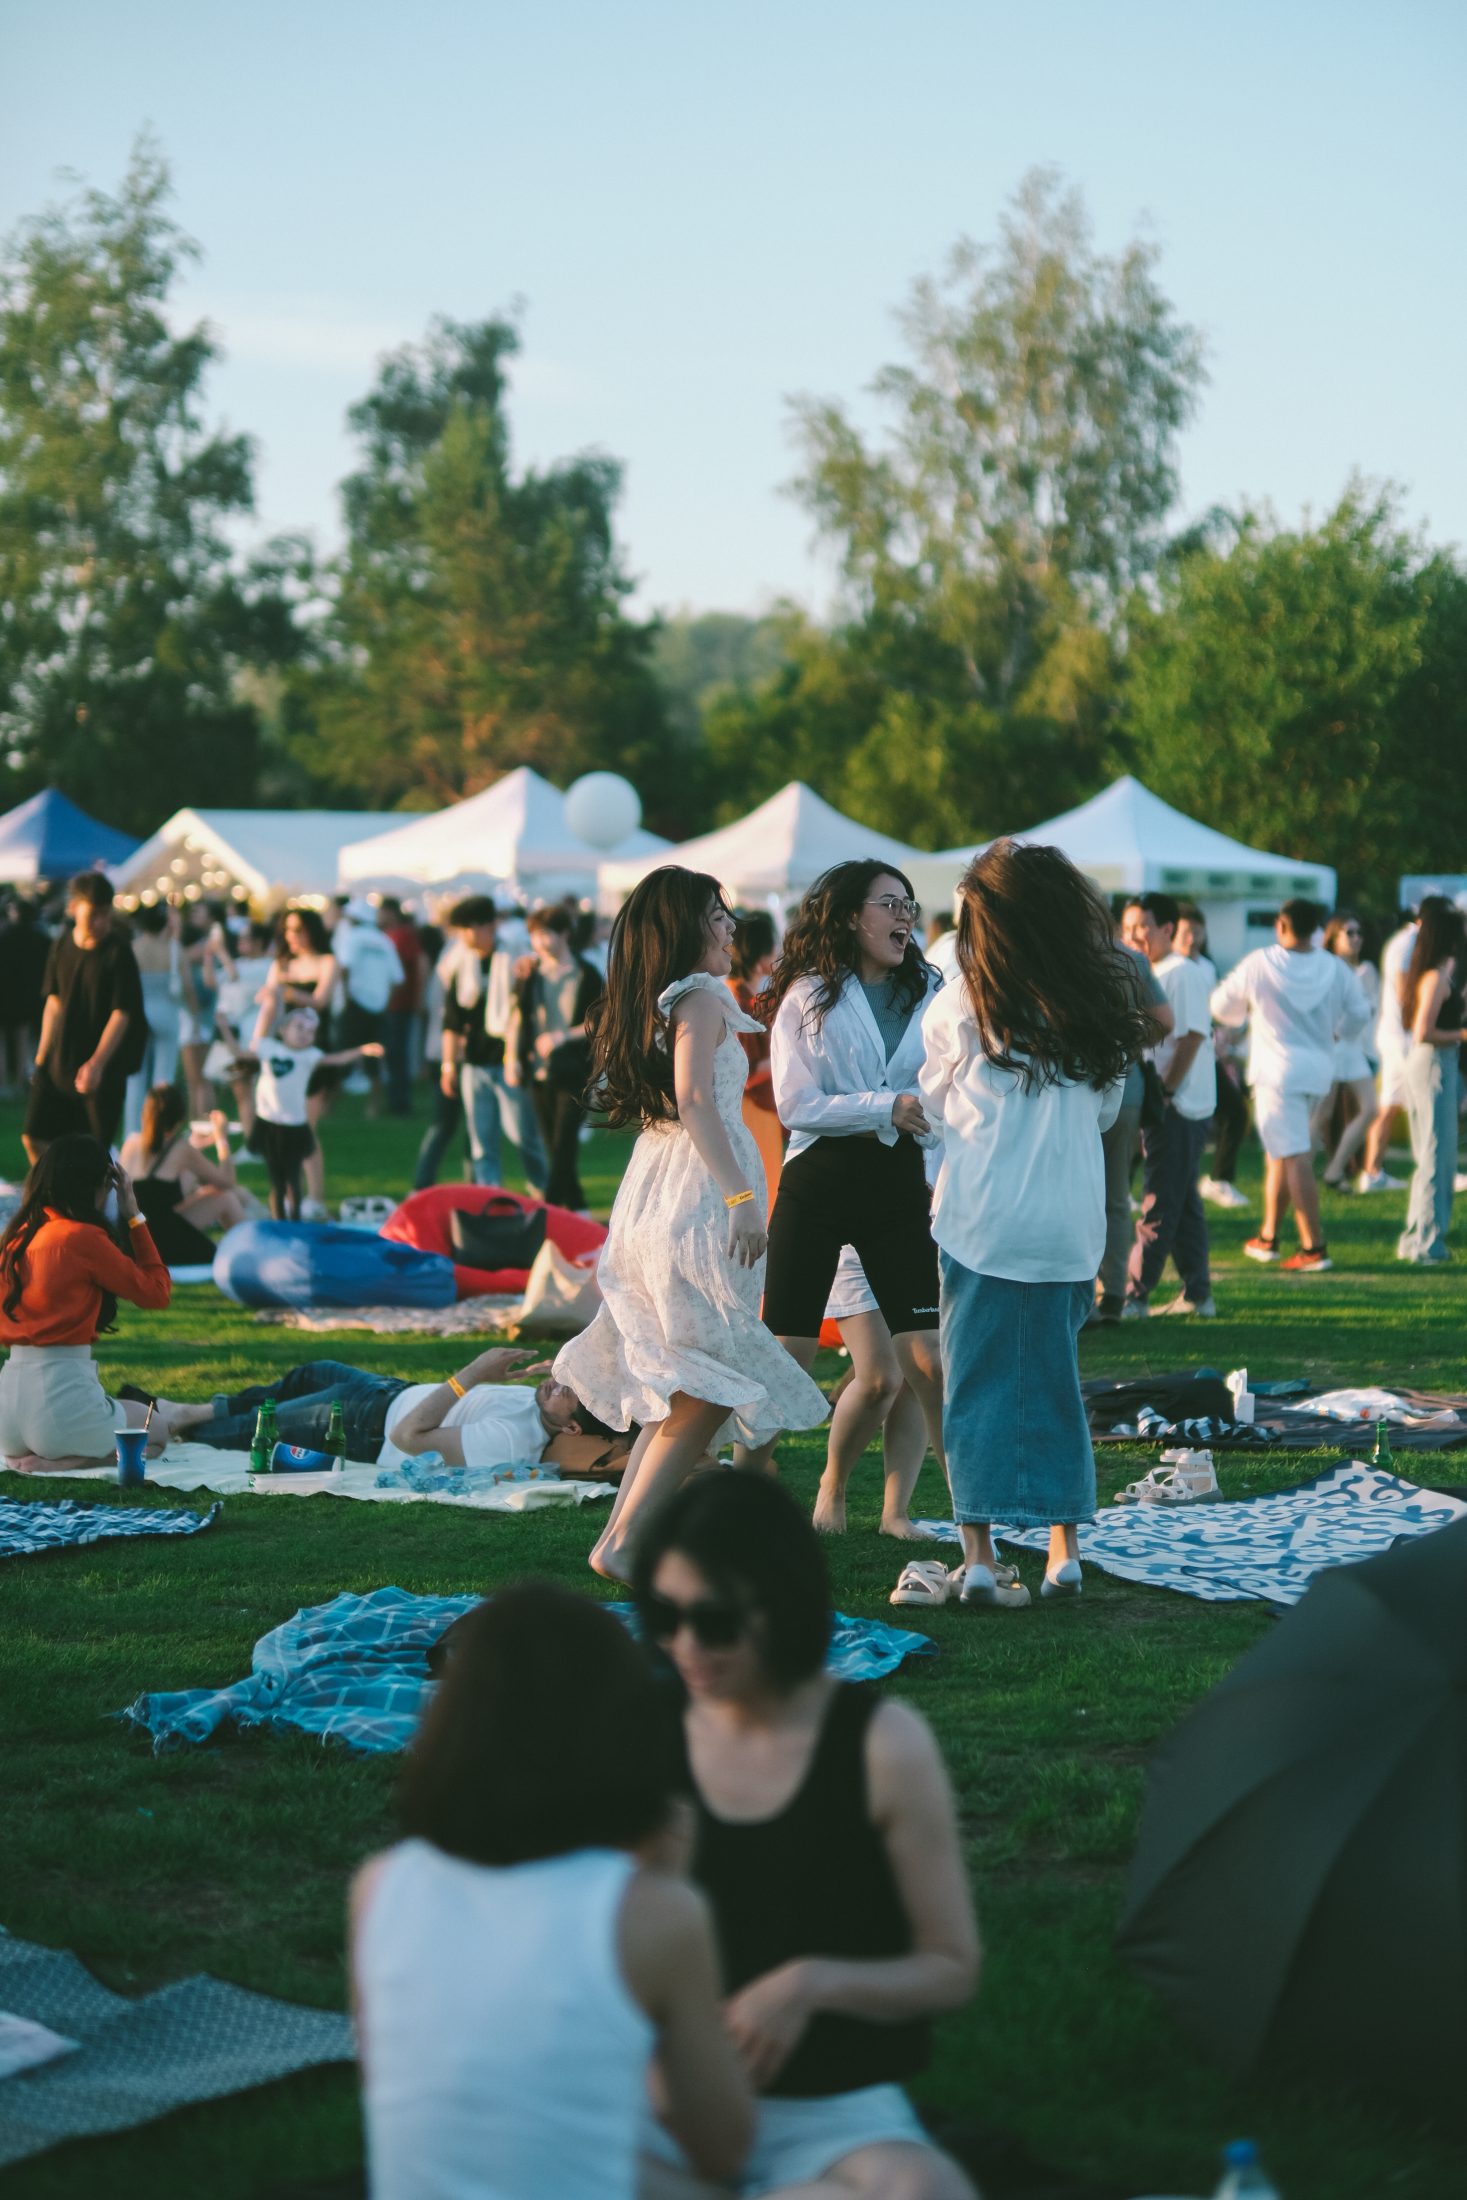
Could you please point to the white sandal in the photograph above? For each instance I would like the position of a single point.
(923, 1581)
(1186, 1478)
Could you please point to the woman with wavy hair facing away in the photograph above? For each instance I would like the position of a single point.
(845, 1006)
(62, 1273)
(677, 1344)
(1026, 1055)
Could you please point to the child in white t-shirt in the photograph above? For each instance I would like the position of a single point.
(288, 1059)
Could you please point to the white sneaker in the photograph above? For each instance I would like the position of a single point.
(315, 1210)
(1219, 1194)
(1204, 1309)
(1378, 1181)
(1459, 1181)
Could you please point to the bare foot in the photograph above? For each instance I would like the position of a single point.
(903, 1530)
(608, 1562)
(177, 1415)
(829, 1516)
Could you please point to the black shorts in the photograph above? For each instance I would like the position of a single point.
(51, 1113)
(857, 1192)
(283, 1147)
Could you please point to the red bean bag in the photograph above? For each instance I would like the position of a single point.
(422, 1220)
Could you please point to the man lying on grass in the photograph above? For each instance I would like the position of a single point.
(480, 1417)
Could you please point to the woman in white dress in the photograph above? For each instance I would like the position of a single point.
(677, 1344)
(1354, 1083)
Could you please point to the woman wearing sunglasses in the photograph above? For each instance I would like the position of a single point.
(845, 1002)
(514, 1969)
(825, 1838)
(677, 1344)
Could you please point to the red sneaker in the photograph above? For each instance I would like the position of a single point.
(1308, 1264)
(1261, 1248)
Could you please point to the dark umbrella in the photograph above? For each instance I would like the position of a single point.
(1299, 1889)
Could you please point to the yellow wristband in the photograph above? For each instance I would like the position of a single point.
(137, 1222)
(456, 1387)
(738, 1199)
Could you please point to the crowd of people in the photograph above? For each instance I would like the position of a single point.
(676, 1918)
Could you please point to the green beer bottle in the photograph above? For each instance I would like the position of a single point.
(1382, 1456)
(260, 1445)
(336, 1438)
(272, 1434)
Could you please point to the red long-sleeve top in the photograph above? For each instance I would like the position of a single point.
(68, 1266)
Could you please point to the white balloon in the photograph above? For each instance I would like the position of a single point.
(603, 809)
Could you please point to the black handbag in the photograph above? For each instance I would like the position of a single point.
(502, 1234)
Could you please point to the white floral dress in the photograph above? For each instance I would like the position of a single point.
(677, 1314)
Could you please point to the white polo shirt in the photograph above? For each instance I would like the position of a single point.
(1185, 985)
(499, 1424)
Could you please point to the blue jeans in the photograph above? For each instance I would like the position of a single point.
(303, 1401)
(1430, 1084)
(491, 1107)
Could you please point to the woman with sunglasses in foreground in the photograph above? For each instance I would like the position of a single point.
(677, 1344)
(514, 1969)
(845, 1003)
(825, 1838)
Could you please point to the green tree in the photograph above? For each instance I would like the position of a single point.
(125, 627)
(1307, 690)
(476, 619)
(987, 543)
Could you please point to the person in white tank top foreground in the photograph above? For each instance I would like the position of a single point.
(515, 1966)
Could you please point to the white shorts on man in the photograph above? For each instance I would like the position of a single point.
(1297, 1001)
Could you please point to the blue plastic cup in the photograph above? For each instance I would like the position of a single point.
(131, 1447)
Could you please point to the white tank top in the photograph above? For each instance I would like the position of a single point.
(505, 2058)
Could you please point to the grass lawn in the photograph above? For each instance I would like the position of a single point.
(234, 1859)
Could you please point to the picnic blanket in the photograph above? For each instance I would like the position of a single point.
(1196, 1408)
(185, 1466)
(355, 1670)
(28, 1525)
(1266, 1548)
(482, 1316)
(136, 2060)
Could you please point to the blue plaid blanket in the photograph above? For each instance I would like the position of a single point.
(355, 1671)
(1267, 1548)
(29, 1524)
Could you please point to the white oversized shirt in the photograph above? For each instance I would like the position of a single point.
(1298, 1001)
(1185, 987)
(1392, 1039)
(833, 1079)
(498, 1424)
(1021, 1189)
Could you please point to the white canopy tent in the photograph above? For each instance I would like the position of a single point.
(1130, 842)
(513, 831)
(775, 852)
(264, 856)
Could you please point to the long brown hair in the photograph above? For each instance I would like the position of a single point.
(661, 935)
(1438, 935)
(162, 1116)
(821, 942)
(65, 1181)
(1054, 998)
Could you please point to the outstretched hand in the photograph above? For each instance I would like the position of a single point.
(747, 1236)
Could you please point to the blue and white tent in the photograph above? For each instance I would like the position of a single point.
(50, 838)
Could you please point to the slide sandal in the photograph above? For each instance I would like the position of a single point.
(923, 1581)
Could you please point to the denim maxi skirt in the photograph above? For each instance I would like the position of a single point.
(1018, 1444)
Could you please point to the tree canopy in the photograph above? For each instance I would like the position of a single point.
(124, 623)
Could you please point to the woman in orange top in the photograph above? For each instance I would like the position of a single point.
(61, 1274)
(754, 947)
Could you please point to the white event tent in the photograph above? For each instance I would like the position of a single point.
(1129, 841)
(774, 853)
(514, 831)
(265, 856)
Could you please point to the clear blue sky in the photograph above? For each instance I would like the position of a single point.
(706, 207)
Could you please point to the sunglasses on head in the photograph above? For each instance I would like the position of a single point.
(713, 1625)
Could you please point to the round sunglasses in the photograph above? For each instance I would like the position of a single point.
(713, 1624)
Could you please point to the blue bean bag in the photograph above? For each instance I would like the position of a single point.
(322, 1264)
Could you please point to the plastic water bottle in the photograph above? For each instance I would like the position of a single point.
(1244, 2176)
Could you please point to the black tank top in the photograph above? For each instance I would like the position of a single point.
(814, 1880)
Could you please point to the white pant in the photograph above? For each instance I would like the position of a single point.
(52, 1403)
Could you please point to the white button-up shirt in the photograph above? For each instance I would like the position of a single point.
(833, 1079)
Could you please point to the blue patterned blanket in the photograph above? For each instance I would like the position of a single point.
(354, 1671)
(1269, 1548)
(30, 1524)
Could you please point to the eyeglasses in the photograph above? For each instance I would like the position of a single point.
(892, 906)
(713, 1626)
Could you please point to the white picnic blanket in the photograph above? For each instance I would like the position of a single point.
(199, 1467)
(482, 1316)
(1268, 1548)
